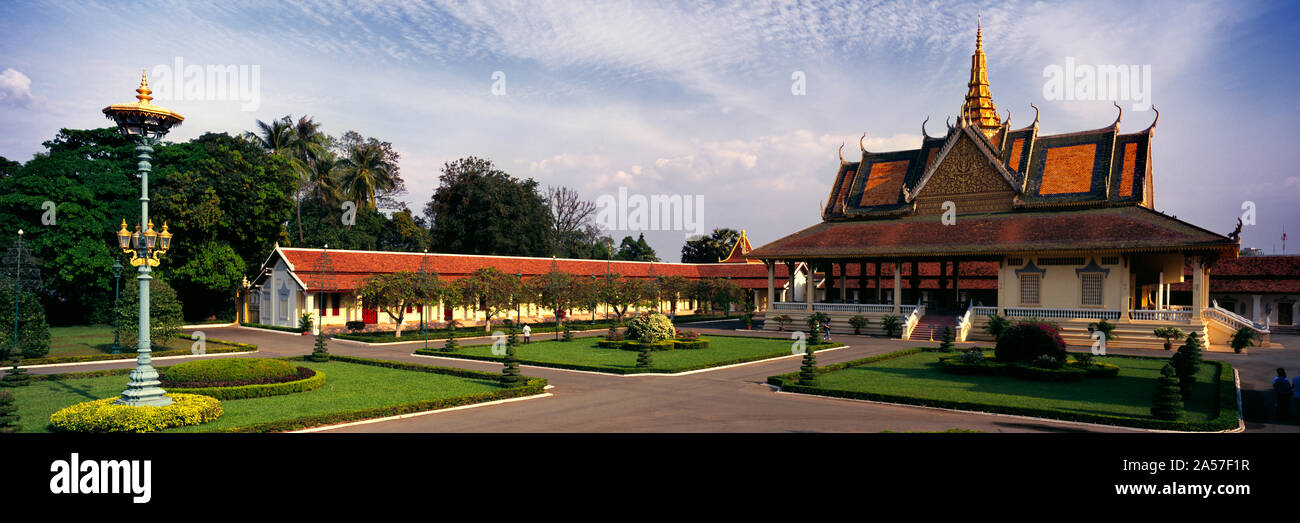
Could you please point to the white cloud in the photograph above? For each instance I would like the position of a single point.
(15, 88)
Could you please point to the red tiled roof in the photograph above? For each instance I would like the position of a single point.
(350, 268)
(1129, 228)
(1250, 275)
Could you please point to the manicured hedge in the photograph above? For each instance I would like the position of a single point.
(990, 367)
(1226, 403)
(227, 372)
(106, 416)
(294, 330)
(464, 332)
(532, 386)
(607, 370)
(314, 380)
(230, 348)
(634, 345)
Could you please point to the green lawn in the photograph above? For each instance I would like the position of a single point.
(91, 340)
(348, 387)
(583, 354)
(1127, 395)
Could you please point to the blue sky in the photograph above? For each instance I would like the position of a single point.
(688, 98)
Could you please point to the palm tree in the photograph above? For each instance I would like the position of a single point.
(322, 179)
(364, 173)
(306, 144)
(274, 137)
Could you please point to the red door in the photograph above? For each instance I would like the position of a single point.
(369, 316)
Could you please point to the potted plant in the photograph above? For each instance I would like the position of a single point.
(782, 320)
(1107, 328)
(892, 325)
(996, 326)
(1169, 334)
(858, 322)
(1244, 337)
(305, 322)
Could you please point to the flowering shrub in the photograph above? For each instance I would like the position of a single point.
(1026, 342)
(688, 335)
(106, 416)
(650, 328)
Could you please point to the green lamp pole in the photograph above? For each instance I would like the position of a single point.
(146, 123)
(117, 292)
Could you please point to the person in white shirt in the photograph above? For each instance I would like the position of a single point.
(528, 334)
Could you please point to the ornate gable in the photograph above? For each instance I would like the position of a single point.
(968, 176)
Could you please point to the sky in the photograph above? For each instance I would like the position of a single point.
(743, 104)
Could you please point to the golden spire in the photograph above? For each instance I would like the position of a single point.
(143, 92)
(979, 109)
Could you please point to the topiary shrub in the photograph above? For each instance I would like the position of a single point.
(1168, 401)
(106, 416)
(650, 328)
(8, 413)
(355, 326)
(568, 334)
(945, 344)
(321, 350)
(1186, 362)
(510, 373)
(451, 343)
(249, 370)
(808, 370)
(1026, 342)
(643, 359)
(33, 331)
(973, 356)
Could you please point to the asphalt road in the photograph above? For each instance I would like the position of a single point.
(734, 399)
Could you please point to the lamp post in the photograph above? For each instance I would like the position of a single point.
(117, 292)
(148, 124)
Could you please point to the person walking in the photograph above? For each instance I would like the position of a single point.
(528, 334)
(1284, 391)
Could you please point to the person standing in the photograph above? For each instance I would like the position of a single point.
(528, 333)
(1284, 391)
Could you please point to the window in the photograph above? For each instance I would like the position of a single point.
(334, 302)
(1110, 260)
(284, 302)
(1091, 289)
(1061, 261)
(1030, 282)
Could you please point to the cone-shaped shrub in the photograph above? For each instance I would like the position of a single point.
(321, 351)
(946, 344)
(15, 377)
(1186, 362)
(1168, 402)
(451, 344)
(510, 375)
(643, 360)
(808, 371)
(8, 413)
(568, 334)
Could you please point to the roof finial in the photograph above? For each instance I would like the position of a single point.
(1153, 122)
(143, 92)
(1031, 104)
(1118, 116)
(842, 154)
(860, 146)
(979, 30)
(925, 135)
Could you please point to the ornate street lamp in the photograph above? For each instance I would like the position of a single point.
(117, 287)
(147, 124)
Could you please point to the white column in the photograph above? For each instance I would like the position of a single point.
(311, 307)
(809, 287)
(898, 288)
(1002, 284)
(1160, 292)
(1256, 309)
(1125, 290)
(1198, 286)
(771, 282)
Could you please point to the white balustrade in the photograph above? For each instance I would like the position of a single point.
(1063, 314)
(1161, 315)
(1231, 319)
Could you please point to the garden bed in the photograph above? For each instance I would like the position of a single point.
(586, 354)
(915, 377)
(94, 343)
(356, 389)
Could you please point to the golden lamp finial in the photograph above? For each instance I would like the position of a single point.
(979, 30)
(143, 91)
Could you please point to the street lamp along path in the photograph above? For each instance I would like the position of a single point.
(148, 124)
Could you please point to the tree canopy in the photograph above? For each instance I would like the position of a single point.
(479, 209)
(711, 248)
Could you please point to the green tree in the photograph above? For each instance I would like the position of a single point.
(165, 316)
(391, 293)
(8, 413)
(479, 209)
(674, 288)
(555, 292)
(1168, 401)
(635, 250)
(711, 248)
(366, 173)
(494, 292)
(620, 294)
(33, 331)
(213, 269)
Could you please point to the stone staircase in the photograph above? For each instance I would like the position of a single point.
(930, 327)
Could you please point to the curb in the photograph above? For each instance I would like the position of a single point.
(425, 413)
